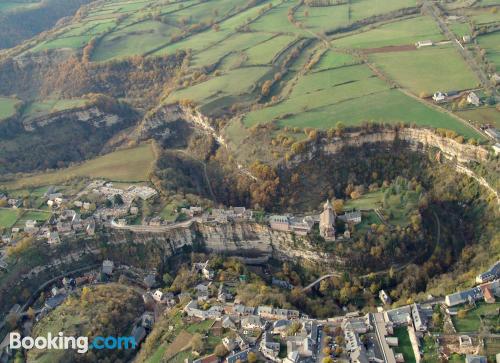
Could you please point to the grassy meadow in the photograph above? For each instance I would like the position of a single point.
(412, 69)
(8, 217)
(7, 107)
(129, 165)
(239, 45)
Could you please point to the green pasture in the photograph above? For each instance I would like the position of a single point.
(205, 12)
(460, 29)
(276, 19)
(482, 115)
(367, 201)
(8, 217)
(16, 5)
(133, 40)
(360, 9)
(491, 43)
(264, 52)
(332, 59)
(427, 70)
(132, 164)
(390, 106)
(318, 19)
(404, 32)
(233, 83)
(205, 39)
(235, 43)
(321, 89)
(484, 313)
(38, 216)
(7, 107)
(485, 17)
(47, 106)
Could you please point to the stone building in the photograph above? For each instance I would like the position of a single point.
(327, 222)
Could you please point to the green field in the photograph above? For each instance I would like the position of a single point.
(38, 216)
(427, 70)
(317, 19)
(472, 322)
(361, 9)
(368, 201)
(48, 106)
(17, 5)
(132, 164)
(397, 210)
(405, 32)
(7, 107)
(237, 45)
(482, 115)
(135, 39)
(8, 217)
(223, 90)
(404, 344)
(491, 43)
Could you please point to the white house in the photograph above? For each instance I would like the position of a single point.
(107, 267)
(439, 97)
(473, 99)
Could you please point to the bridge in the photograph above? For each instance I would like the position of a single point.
(319, 279)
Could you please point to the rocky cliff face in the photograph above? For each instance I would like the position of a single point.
(252, 241)
(91, 115)
(157, 123)
(416, 138)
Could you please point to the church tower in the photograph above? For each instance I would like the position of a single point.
(327, 222)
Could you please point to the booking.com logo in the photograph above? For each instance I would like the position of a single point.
(80, 344)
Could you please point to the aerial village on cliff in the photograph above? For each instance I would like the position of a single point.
(361, 337)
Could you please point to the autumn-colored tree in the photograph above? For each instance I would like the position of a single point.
(197, 343)
(338, 206)
(220, 350)
(251, 357)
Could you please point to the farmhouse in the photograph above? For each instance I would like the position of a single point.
(473, 99)
(439, 97)
(424, 43)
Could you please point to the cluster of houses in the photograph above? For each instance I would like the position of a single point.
(66, 223)
(327, 220)
(127, 197)
(379, 329)
(442, 97)
(261, 328)
(234, 214)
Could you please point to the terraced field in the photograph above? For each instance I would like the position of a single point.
(7, 107)
(286, 62)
